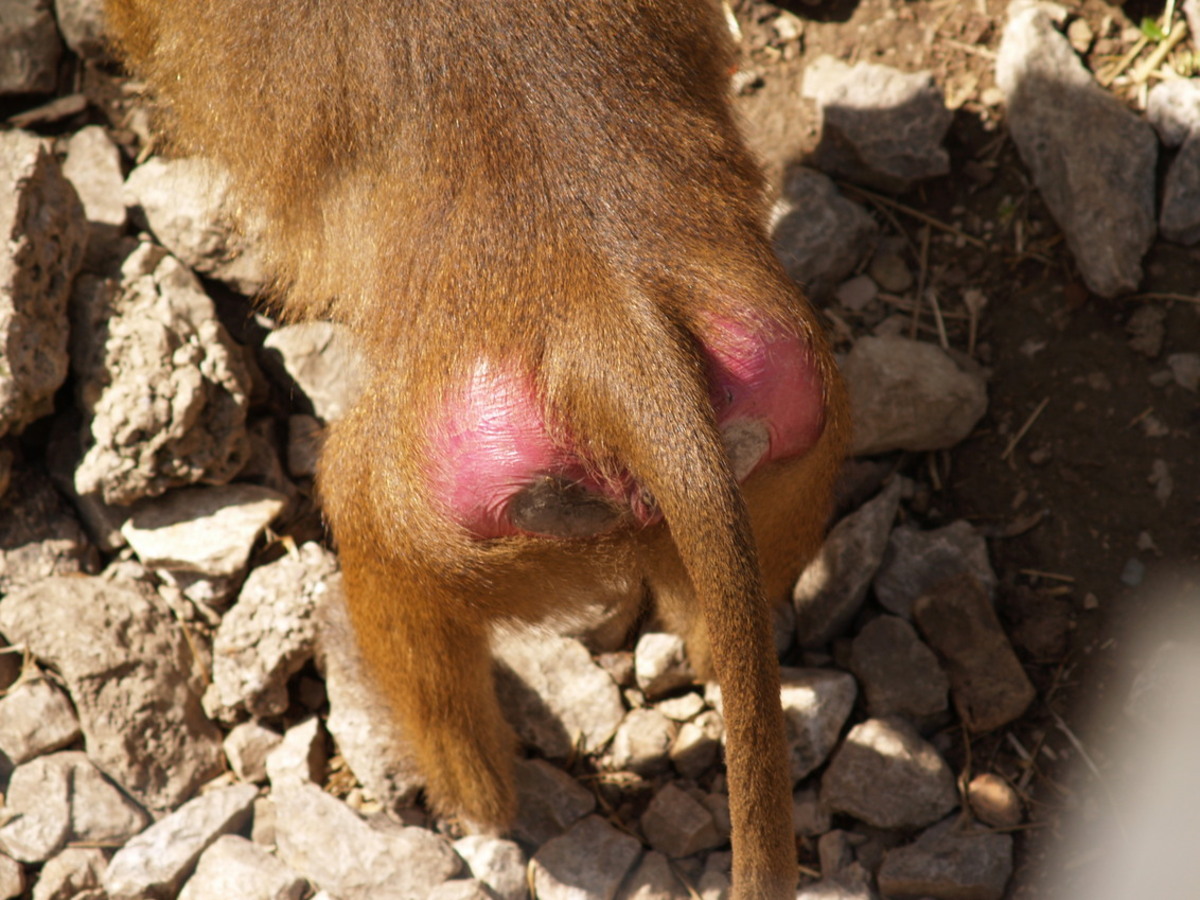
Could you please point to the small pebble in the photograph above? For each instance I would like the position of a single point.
(994, 801)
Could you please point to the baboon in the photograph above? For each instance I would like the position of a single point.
(589, 378)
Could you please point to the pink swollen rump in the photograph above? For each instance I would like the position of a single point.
(498, 471)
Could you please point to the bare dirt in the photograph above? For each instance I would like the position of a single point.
(1073, 507)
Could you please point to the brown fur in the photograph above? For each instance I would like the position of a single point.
(561, 188)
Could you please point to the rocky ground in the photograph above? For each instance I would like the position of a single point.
(992, 206)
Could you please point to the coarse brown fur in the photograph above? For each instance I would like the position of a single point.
(559, 188)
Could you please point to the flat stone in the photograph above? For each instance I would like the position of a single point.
(301, 755)
(885, 775)
(320, 361)
(496, 863)
(916, 561)
(879, 126)
(587, 863)
(676, 824)
(910, 395)
(235, 867)
(698, 744)
(246, 747)
(549, 801)
(155, 863)
(130, 671)
(661, 665)
(210, 531)
(323, 839)
(63, 797)
(988, 684)
(93, 165)
(43, 234)
(899, 674)
(270, 633)
(950, 860)
(39, 534)
(70, 874)
(834, 585)
(35, 718)
(642, 743)
(653, 880)
(1099, 190)
(188, 206)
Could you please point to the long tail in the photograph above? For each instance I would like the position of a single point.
(668, 438)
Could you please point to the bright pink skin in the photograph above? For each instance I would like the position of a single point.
(493, 442)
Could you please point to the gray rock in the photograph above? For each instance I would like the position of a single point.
(35, 718)
(12, 878)
(879, 126)
(29, 48)
(685, 707)
(246, 747)
(909, 395)
(832, 588)
(43, 233)
(163, 387)
(60, 798)
(202, 535)
(557, 698)
(497, 863)
(951, 860)
(587, 863)
(642, 743)
(819, 235)
(323, 839)
(677, 824)
(82, 25)
(39, 534)
(549, 801)
(155, 863)
(93, 166)
(988, 684)
(697, 745)
(364, 727)
(236, 867)
(270, 633)
(1099, 190)
(887, 776)
(816, 704)
(321, 362)
(1173, 109)
(129, 669)
(69, 874)
(653, 880)
(186, 204)
(660, 664)
(916, 561)
(300, 757)
(899, 674)
(844, 876)
(1185, 369)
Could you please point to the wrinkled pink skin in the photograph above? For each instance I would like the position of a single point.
(492, 442)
